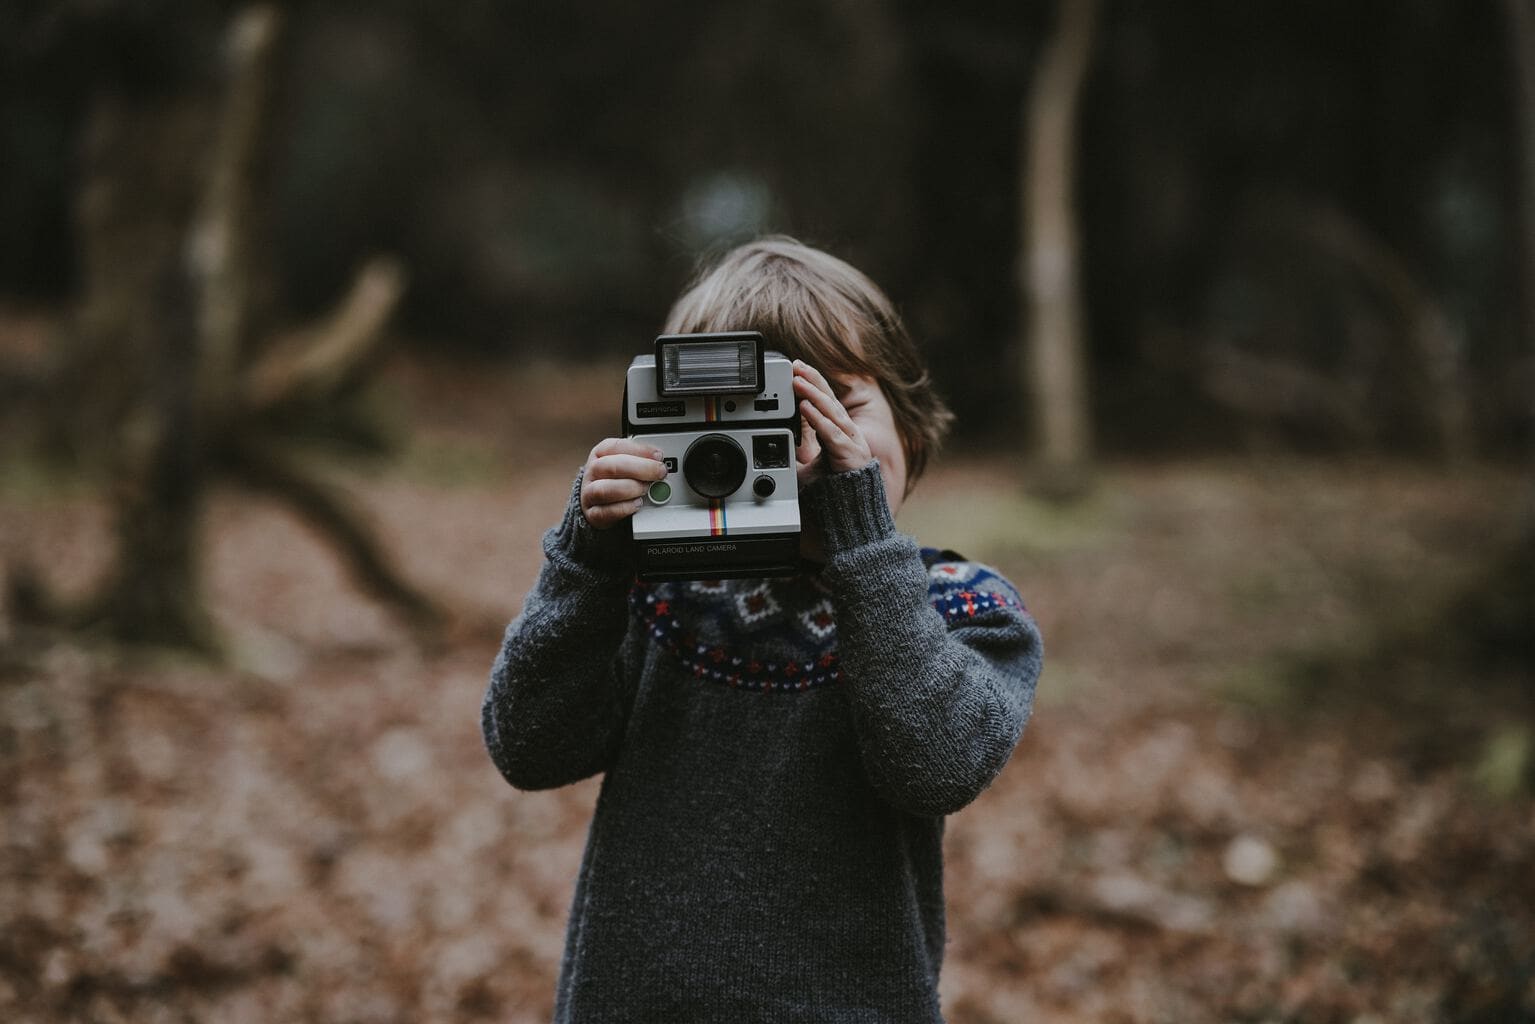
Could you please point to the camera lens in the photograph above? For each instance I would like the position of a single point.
(715, 466)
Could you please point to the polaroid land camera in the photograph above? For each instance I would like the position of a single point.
(723, 412)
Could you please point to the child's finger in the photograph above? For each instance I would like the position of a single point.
(808, 382)
(831, 433)
(844, 451)
(603, 492)
(627, 467)
(824, 389)
(604, 516)
(625, 446)
(807, 454)
(827, 402)
(809, 447)
(805, 371)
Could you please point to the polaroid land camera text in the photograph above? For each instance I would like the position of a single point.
(722, 411)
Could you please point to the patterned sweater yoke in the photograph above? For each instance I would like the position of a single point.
(777, 756)
(780, 635)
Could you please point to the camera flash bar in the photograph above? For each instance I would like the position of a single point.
(709, 364)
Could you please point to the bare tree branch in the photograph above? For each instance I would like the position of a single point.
(1435, 345)
(331, 512)
(219, 253)
(322, 360)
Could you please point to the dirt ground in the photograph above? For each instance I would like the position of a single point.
(1189, 832)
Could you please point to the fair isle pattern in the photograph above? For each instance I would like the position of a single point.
(756, 604)
(967, 604)
(757, 670)
(960, 589)
(780, 636)
(820, 621)
(945, 572)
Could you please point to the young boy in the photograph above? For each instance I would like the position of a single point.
(779, 754)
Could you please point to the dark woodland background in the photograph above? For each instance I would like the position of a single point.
(309, 312)
(550, 177)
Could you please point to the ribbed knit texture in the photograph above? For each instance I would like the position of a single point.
(850, 508)
(779, 755)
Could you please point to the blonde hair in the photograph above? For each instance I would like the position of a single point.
(810, 305)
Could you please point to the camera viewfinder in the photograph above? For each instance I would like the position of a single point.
(770, 451)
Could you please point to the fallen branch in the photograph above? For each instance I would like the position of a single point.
(1271, 387)
(321, 361)
(331, 512)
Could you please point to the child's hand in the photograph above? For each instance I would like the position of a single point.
(613, 483)
(828, 434)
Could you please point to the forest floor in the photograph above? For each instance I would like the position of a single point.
(1203, 822)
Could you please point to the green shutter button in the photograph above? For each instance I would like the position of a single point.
(660, 492)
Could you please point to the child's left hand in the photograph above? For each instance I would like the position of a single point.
(828, 434)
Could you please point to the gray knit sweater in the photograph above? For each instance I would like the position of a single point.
(778, 759)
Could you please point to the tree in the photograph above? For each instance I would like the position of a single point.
(168, 328)
(1056, 363)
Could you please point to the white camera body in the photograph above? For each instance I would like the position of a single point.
(722, 411)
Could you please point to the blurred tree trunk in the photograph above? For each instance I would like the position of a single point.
(1056, 364)
(164, 339)
(132, 210)
(1491, 618)
(154, 595)
(128, 383)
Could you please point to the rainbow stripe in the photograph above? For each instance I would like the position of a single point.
(716, 510)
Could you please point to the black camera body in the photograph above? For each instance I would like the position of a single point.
(722, 410)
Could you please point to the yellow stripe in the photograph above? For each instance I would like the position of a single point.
(716, 520)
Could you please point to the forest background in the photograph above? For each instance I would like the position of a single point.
(309, 312)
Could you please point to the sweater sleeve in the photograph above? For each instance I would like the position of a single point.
(940, 680)
(555, 709)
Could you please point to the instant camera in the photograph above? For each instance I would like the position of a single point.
(722, 410)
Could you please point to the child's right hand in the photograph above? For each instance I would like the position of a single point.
(614, 480)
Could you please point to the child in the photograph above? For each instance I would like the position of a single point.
(779, 754)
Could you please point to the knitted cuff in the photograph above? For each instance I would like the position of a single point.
(606, 551)
(850, 508)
